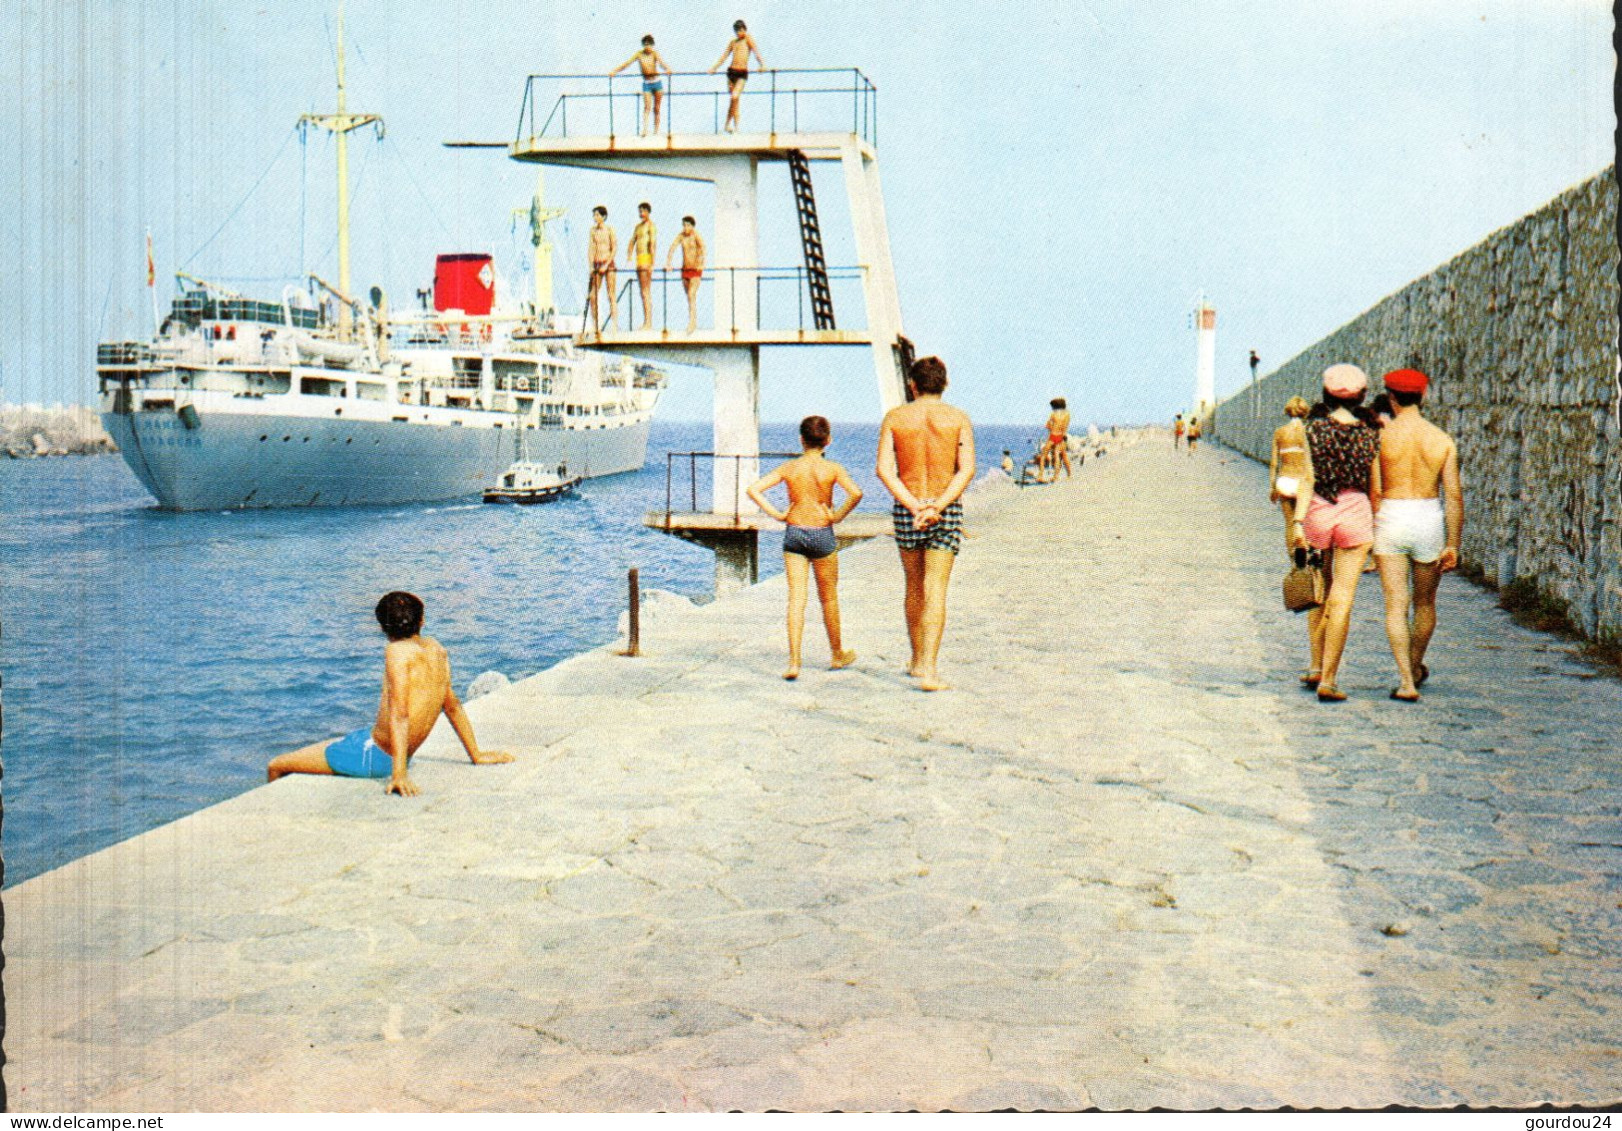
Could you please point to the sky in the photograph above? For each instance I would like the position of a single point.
(1062, 180)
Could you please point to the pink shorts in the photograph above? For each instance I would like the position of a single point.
(1340, 525)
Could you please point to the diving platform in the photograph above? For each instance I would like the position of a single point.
(735, 538)
(618, 151)
(702, 526)
(801, 117)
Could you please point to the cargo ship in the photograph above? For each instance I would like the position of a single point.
(322, 399)
(244, 403)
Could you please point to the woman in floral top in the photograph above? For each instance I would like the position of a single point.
(1337, 515)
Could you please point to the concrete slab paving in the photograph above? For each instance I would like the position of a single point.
(1124, 863)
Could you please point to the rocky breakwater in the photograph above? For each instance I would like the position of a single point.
(1520, 335)
(28, 431)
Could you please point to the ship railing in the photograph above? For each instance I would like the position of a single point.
(706, 470)
(734, 299)
(123, 353)
(798, 100)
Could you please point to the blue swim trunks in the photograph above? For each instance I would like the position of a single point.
(814, 542)
(357, 756)
(653, 86)
(947, 534)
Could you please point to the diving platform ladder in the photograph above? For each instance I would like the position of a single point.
(816, 266)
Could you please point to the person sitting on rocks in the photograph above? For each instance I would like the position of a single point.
(416, 689)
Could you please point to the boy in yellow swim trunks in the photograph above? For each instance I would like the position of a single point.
(643, 244)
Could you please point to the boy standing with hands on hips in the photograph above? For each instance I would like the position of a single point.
(809, 545)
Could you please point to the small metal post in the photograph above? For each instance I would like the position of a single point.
(634, 647)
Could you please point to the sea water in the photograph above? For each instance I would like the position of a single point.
(154, 662)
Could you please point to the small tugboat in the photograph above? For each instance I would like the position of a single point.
(530, 482)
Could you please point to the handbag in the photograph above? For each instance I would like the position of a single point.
(1304, 584)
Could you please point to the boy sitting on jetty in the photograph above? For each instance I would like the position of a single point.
(416, 688)
(809, 545)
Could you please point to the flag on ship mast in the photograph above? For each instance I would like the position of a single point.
(151, 283)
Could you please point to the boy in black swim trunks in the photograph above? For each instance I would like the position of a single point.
(736, 57)
(809, 545)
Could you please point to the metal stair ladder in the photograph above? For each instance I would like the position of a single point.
(816, 267)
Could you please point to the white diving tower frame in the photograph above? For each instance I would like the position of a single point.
(692, 147)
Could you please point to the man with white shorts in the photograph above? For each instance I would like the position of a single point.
(1412, 528)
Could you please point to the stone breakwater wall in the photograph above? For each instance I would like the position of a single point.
(27, 431)
(1519, 336)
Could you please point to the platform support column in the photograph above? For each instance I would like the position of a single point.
(737, 563)
(735, 243)
(878, 272)
(737, 425)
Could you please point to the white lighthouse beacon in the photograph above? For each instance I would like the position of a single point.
(1205, 357)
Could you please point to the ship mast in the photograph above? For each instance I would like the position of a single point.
(340, 125)
(539, 216)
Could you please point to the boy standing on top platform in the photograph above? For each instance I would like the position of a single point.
(653, 87)
(809, 545)
(736, 57)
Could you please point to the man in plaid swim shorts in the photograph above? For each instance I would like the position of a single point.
(947, 534)
(926, 459)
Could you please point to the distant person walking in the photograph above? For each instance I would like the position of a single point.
(692, 265)
(416, 689)
(809, 544)
(1058, 445)
(1177, 431)
(1193, 434)
(602, 244)
(1414, 529)
(653, 87)
(926, 459)
(1343, 445)
(1288, 468)
(641, 249)
(736, 57)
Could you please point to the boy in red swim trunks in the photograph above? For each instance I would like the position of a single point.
(692, 265)
(809, 545)
(416, 689)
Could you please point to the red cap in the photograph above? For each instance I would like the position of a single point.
(1406, 381)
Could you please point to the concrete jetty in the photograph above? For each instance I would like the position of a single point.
(1125, 863)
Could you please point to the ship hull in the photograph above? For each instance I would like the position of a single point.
(230, 460)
